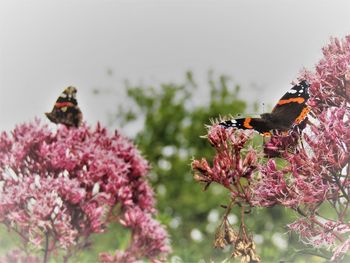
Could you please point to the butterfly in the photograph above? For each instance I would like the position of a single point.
(66, 110)
(290, 111)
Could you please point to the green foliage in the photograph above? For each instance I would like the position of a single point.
(114, 237)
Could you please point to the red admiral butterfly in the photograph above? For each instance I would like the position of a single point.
(66, 110)
(290, 111)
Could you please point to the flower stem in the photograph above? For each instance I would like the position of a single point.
(46, 252)
(345, 195)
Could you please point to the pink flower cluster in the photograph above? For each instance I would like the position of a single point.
(331, 81)
(57, 188)
(313, 164)
(229, 165)
(317, 233)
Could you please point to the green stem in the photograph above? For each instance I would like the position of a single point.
(46, 252)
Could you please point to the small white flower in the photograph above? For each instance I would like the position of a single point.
(10, 174)
(95, 189)
(66, 174)
(59, 201)
(56, 210)
(37, 181)
(30, 204)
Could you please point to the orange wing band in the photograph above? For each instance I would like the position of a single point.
(246, 123)
(302, 115)
(63, 104)
(297, 100)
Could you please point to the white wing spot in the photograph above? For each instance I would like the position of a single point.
(292, 91)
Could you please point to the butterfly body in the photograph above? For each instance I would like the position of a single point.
(290, 111)
(66, 110)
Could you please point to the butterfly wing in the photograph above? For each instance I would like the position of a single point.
(66, 110)
(291, 109)
(257, 124)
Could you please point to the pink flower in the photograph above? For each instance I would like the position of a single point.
(317, 234)
(281, 144)
(231, 162)
(148, 235)
(62, 186)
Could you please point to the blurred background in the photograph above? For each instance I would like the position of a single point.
(158, 70)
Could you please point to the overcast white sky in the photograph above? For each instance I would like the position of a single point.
(46, 45)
